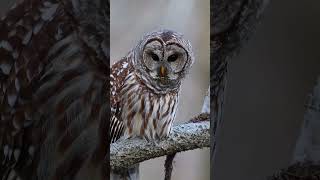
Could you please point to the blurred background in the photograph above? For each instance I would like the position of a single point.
(130, 20)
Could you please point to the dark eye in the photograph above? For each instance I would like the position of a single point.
(154, 56)
(172, 58)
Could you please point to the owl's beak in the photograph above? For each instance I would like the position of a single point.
(163, 71)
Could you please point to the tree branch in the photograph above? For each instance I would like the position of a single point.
(184, 137)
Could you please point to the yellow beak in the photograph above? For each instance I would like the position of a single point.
(163, 71)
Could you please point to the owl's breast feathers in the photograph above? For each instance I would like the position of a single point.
(136, 109)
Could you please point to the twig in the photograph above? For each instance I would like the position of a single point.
(168, 165)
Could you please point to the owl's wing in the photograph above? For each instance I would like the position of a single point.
(26, 33)
(53, 100)
(116, 124)
(119, 72)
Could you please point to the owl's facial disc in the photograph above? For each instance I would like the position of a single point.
(164, 64)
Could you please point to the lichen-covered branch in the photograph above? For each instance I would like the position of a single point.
(184, 137)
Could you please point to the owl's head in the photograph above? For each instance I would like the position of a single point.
(162, 59)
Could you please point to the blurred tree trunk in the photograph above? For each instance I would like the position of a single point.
(306, 158)
(232, 23)
(308, 143)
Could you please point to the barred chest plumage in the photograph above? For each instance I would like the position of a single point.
(145, 113)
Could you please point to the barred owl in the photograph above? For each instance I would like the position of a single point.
(145, 86)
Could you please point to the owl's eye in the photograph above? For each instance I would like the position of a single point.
(172, 58)
(154, 56)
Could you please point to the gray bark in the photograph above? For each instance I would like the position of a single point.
(184, 137)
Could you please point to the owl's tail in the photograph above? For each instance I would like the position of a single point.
(127, 174)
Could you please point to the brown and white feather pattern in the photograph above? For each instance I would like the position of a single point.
(136, 109)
